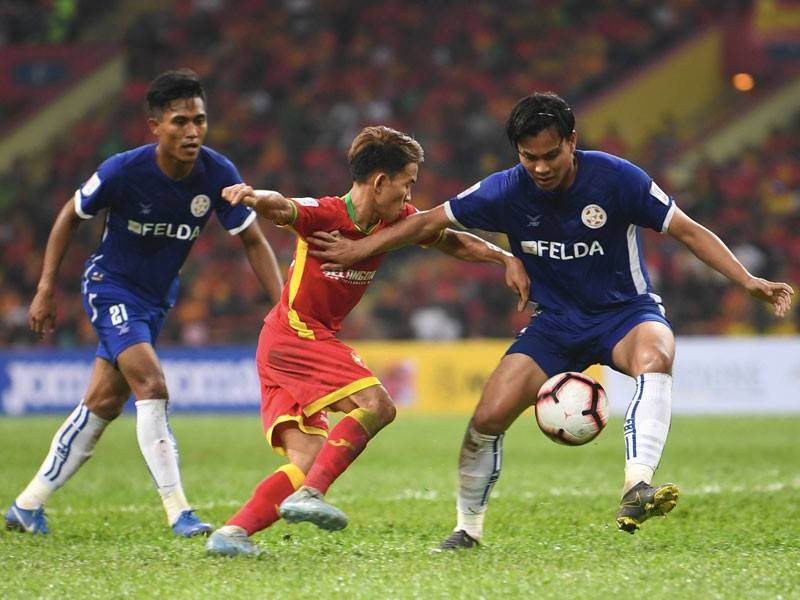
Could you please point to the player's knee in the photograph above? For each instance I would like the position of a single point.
(384, 409)
(390, 412)
(653, 360)
(107, 407)
(488, 422)
(149, 387)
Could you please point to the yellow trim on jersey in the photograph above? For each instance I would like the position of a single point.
(350, 388)
(295, 213)
(293, 472)
(300, 425)
(297, 275)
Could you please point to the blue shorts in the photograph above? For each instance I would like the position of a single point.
(120, 318)
(561, 342)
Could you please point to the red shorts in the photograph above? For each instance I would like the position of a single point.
(300, 378)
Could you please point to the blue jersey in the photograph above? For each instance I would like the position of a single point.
(581, 247)
(152, 220)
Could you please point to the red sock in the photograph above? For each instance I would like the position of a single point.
(261, 510)
(345, 443)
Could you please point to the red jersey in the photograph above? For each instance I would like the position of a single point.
(314, 302)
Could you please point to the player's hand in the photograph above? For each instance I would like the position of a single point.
(332, 246)
(775, 293)
(517, 279)
(42, 313)
(239, 193)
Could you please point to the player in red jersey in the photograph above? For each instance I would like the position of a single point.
(305, 371)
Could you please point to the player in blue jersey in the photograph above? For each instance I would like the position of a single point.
(157, 199)
(573, 218)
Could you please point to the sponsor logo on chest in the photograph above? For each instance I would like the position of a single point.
(179, 231)
(592, 216)
(351, 276)
(560, 250)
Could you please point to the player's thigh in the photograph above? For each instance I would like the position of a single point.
(648, 347)
(511, 388)
(120, 320)
(301, 448)
(107, 392)
(141, 368)
(374, 398)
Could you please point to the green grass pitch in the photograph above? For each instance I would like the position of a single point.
(550, 530)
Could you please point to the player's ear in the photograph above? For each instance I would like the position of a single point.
(572, 140)
(153, 124)
(379, 181)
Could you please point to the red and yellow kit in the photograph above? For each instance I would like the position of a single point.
(302, 366)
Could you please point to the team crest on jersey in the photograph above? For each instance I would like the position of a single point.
(357, 359)
(200, 205)
(593, 216)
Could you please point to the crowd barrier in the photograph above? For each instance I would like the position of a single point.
(712, 376)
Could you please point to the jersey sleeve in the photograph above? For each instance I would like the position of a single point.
(312, 214)
(233, 218)
(480, 206)
(647, 204)
(100, 190)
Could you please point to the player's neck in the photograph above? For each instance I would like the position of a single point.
(172, 168)
(363, 215)
(570, 177)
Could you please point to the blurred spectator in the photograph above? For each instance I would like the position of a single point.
(293, 80)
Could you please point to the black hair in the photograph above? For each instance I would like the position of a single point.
(384, 149)
(173, 85)
(533, 114)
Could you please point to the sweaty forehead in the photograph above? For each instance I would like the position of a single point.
(543, 142)
(185, 106)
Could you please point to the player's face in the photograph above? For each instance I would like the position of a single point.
(549, 158)
(394, 192)
(181, 129)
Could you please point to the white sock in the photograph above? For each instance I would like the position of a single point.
(72, 446)
(161, 455)
(647, 422)
(478, 470)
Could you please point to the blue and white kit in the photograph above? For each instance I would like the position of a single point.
(151, 223)
(582, 251)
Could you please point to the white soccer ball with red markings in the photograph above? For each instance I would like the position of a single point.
(572, 408)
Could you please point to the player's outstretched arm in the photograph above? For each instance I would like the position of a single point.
(469, 247)
(341, 252)
(262, 260)
(709, 248)
(267, 203)
(42, 312)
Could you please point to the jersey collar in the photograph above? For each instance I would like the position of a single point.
(351, 212)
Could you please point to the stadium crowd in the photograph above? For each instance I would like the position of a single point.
(284, 106)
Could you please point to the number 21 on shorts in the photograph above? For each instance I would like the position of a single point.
(118, 314)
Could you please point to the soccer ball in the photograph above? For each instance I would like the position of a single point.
(572, 408)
